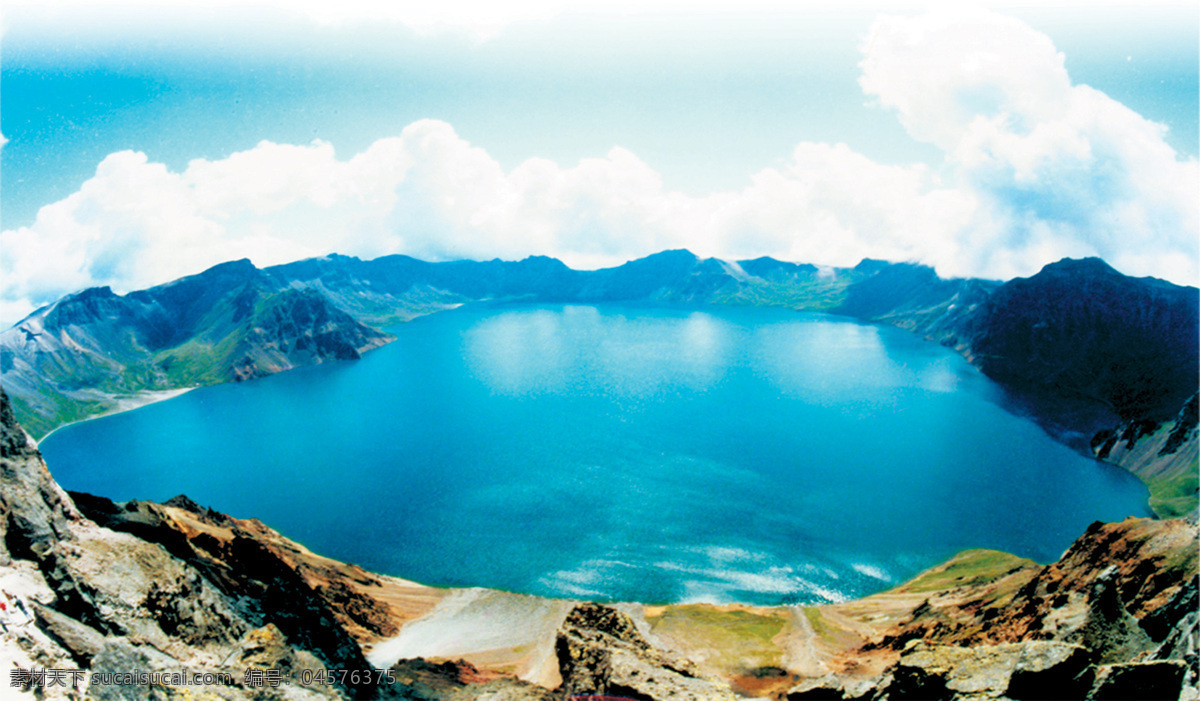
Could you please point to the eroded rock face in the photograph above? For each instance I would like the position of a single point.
(1031, 670)
(108, 581)
(101, 601)
(230, 322)
(1108, 628)
(35, 513)
(602, 653)
(1160, 454)
(1178, 626)
(241, 560)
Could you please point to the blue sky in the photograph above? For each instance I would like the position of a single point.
(985, 143)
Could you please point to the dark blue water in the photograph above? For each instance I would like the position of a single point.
(648, 454)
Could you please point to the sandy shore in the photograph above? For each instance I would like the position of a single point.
(126, 402)
(496, 630)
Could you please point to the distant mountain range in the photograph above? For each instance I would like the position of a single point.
(1079, 345)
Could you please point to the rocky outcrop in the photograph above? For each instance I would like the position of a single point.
(1087, 626)
(1114, 577)
(1159, 680)
(1030, 670)
(1177, 625)
(602, 653)
(325, 606)
(35, 513)
(101, 601)
(832, 686)
(456, 680)
(1108, 662)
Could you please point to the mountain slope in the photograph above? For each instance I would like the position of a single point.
(81, 355)
(1080, 329)
(1164, 455)
(913, 297)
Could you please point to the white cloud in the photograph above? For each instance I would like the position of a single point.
(943, 71)
(430, 194)
(1057, 169)
(1035, 169)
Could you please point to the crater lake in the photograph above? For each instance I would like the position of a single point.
(654, 454)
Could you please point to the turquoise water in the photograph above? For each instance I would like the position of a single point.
(652, 454)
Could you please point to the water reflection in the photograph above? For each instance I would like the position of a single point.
(582, 349)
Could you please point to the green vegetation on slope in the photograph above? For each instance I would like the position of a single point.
(199, 361)
(92, 352)
(1174, 497)
(815, 294)
(63, 411)
(733, 639)
(829, 633)
(968, 568)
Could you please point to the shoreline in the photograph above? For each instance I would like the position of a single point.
(124, 403)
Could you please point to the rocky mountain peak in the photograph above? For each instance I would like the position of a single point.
(242, 266)
(1079, 266)
(90, 305)
(1081, 331)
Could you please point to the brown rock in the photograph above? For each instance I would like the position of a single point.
(601, 652)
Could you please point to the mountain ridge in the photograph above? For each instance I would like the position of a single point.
(1079, 346)
(74, 358)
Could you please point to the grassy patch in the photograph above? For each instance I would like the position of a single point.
(54, 410)
(732, 639)
(1176, 496)
(816, 294)
(968, 568)
(199, 362)
(824, 630)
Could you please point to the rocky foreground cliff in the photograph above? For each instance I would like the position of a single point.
(98, 593)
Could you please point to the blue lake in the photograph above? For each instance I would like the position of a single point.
(620, 452)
